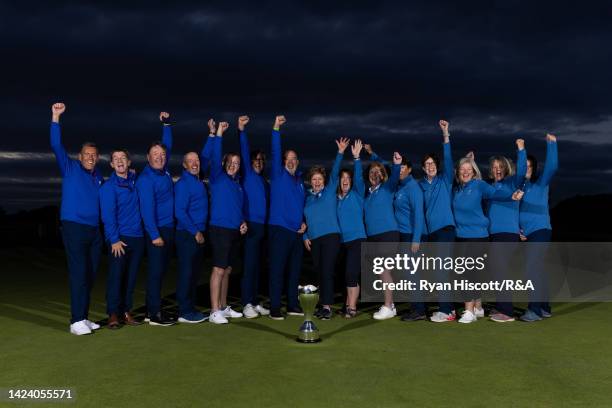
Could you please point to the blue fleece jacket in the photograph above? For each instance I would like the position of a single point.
(320, 208)
(378, 205)
(286, 191)
(534, 213)
(79, 186)
(120, 207)
(256, 188)
(350, 208)
(437, 195)
(408, 205)
(190, 203)
(227, 196)
(156, 193)
(467, 207)
(504, 215)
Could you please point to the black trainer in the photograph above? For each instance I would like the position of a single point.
(160, 319)
(325, 313)
(295, 311)
(276, 314)
(413, 317)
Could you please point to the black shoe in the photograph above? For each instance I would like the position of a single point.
(343, 310)
(413, 317)
(295, 311)
(325, 313)
(276, 314)
(160, 319)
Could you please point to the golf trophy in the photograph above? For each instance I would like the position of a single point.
(309, 297)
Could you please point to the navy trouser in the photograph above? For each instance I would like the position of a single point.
(122, 273)
(252, 262)
(286, 248)
(534, 255)
(324, 255)
(418, 307)
(190, 258)
(445, 234)
(157, 266)
(83, 244)
(500, 258)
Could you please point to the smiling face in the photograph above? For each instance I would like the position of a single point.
(232, 165)
(346, 182)
(88, 157)
(258, 163)
(375, 175)
(291, 161)
(404, 171)
(191, 163)
(120, 163)
(499, 170)
(466, 173)
(430, 168)
(317, 181)
(157, 157)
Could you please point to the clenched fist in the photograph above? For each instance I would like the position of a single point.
(57, 109)
(242, 122)
(279, 121)
(163, 117)
(520, 144)
(444, 127)
(222, 128)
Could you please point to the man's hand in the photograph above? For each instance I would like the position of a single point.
(56, 111)
(342, 144)
(243, 228)
(307, 244)
(368, 148)
(117, 248)
(356, 148)
(551, 138)
(222, 128)
(199, 237)
(163, 117)
(397, 158)
(520, 144)
(444, 127)
(158, 242)
(242, 122)
(518, 195)
(303, 228)
(279, 121)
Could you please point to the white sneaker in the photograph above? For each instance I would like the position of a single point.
(468, 317)
(440, 317)
(249, 311)
(218, 317)
(262, 310)
(229, 312)
(385, 313)
(479, 312)
(92, 325)
(79, 328)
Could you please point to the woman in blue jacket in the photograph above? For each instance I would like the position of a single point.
(322, 237)
(534, 220)
(226, 224)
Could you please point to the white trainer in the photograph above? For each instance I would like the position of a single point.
(80, 328)
(262, 310)
(440, 317)
(479, 312)
(229, 312)
(249, 311)
(468, 317)
(92, 325)
(218, 317)
(385, 313)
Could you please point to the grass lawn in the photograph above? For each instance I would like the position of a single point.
(562, 361)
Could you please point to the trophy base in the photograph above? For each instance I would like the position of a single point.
(299, 340)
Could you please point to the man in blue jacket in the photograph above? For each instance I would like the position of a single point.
(156, 196)
(80, 216)
(124, 234)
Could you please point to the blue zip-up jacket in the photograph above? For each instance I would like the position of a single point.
(408, 205)
(467, 207)
(534, 213)
(437, 195)
(378, 206)
(350, 208)
(227, 196)
(120, 207)
(320, 208)
(156, 193)
(256, 188)
(286, 191)
(504, 215)
(190, 203)
(80, 200)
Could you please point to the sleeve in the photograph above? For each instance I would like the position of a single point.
(448, 171)
(521, 167)
(416, 198)
(63, 161)
(551, 165)
(146, 197)
(391, 184)
(358, 183)
(277, 156)
(216, 167)
(245, 153)
(489, 192)
(167, 141)
(333, 177)
(206, 153)
(108, 206)
(181, 204)
(377, 158)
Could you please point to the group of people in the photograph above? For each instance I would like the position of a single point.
(240, 208)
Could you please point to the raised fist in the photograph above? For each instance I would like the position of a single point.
(212, 126)
(551, 138)
(58, 108)
(163, 117)
(342, 144)
(242, 122)
(368, 148)
(397, 158)
(222, 128)
(520, 144)
(444, 127)
(279, 121)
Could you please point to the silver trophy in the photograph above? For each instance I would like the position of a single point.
(309, 297)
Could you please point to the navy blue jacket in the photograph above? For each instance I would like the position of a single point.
(190, 203)
(437, 195)
(256, 188)
(320, 208)
(120, 208)
(350, 208)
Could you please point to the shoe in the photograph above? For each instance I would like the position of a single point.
(160, 319)
(479, 312)
(325, 313)
(165, 315)
(343, 310)
(193, 317)
(262, 310)
(92, 325)
(80, 328)
(350, 313)
(501, 318)
(295, 311)
(413, 317)
(276, 314)
(113, 321)
(218, 317)
(249, 311)
(530, 316)
(385, 313)
(229, 312)
(468, 317)
(546, 314)
(441, 317)
(130, 320)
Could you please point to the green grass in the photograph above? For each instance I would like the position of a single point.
(563, 361)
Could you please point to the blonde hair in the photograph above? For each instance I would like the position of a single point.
(382, 169)
(507, 166)
(477, 174)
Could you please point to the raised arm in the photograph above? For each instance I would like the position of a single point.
(181, 204)
(552, 160)
(206, 152)
(446, 153)
(489, 192)
(277, 154)
(375, 157)
(393, 181)
(108, 207)
(216, 167)
(164, 118)
(416, 202)
(342, 144)
(521, 162)
(358, 183)
(245, 150)
(62, 158)
(146, 197)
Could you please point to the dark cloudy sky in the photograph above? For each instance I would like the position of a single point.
(384, 72)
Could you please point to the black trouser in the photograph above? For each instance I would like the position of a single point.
(353, 262)
(324, 254)
(500, 258)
